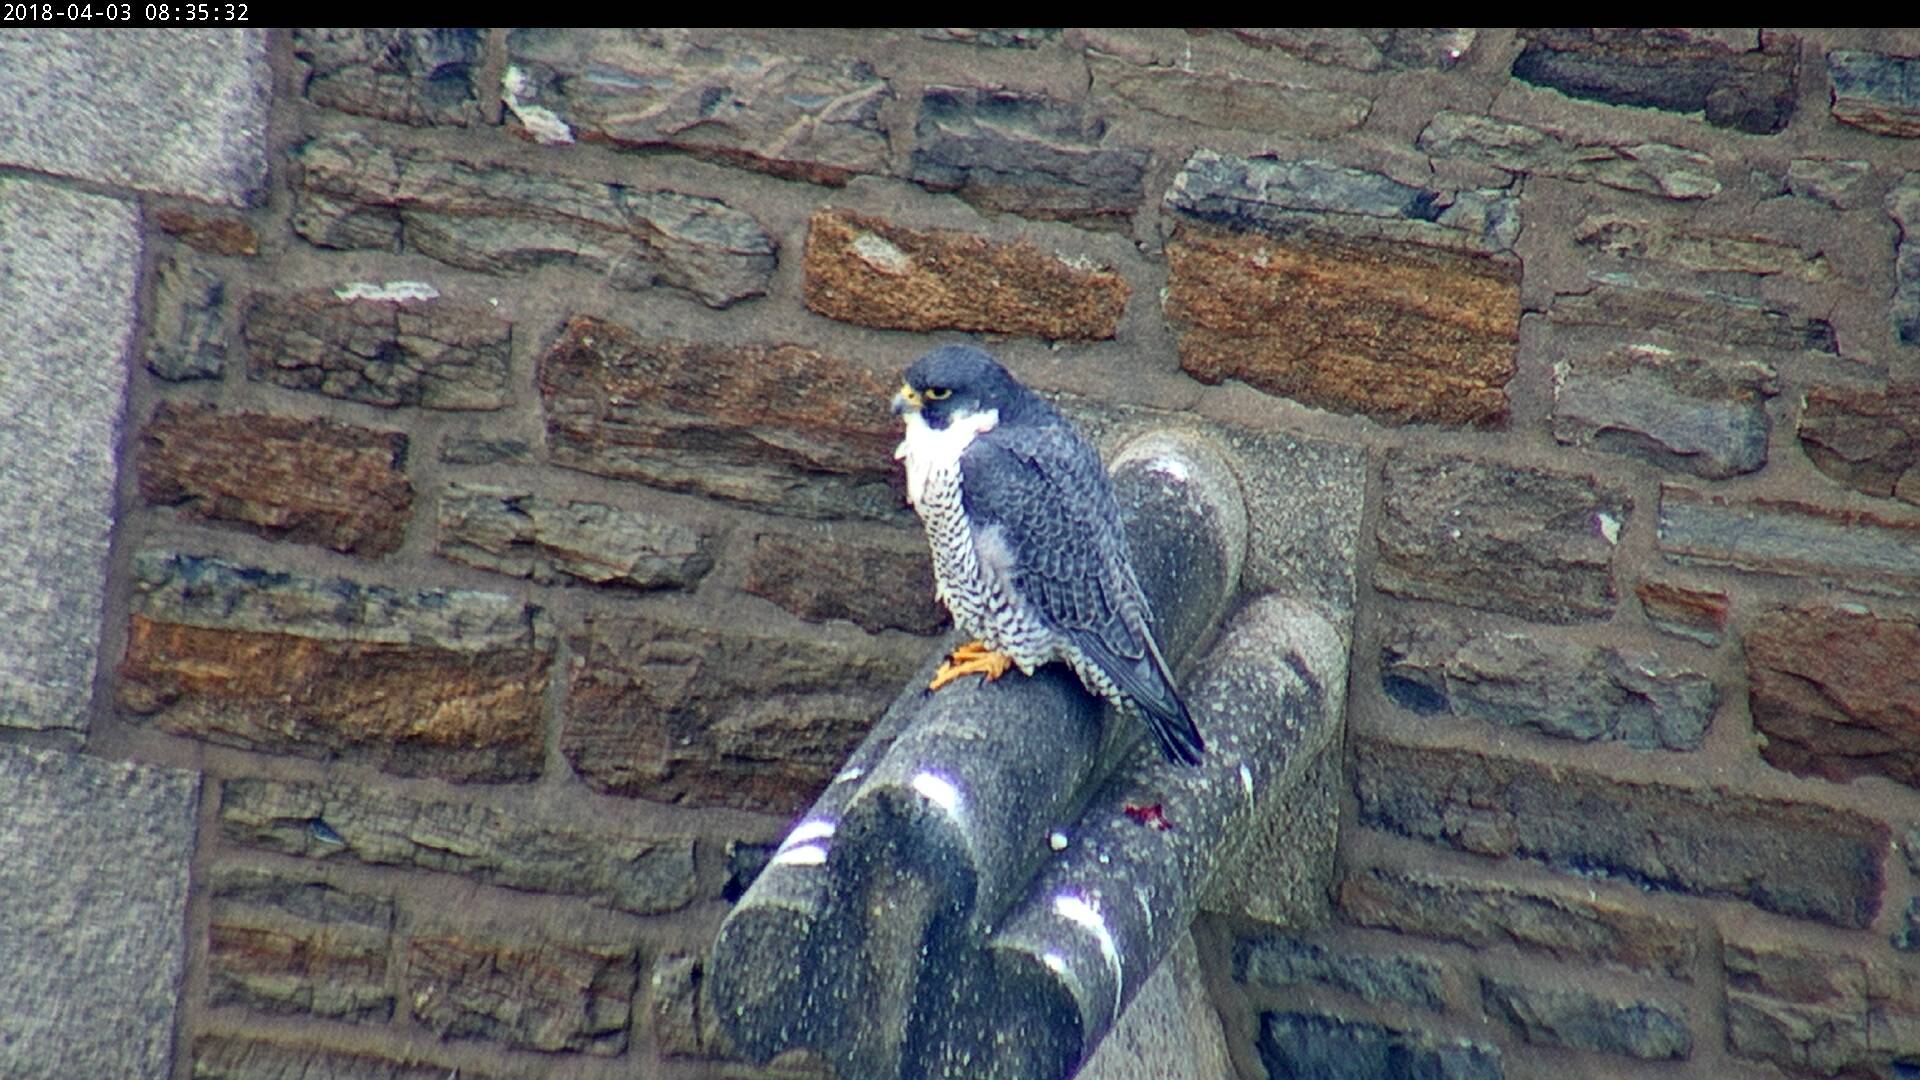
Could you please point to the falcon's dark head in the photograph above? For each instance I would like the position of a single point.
(960, 380)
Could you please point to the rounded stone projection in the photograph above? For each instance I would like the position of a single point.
(980, 891)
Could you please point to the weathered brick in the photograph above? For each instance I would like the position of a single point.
(234, 1057)
(533, 993)
(1026, 153)
(1698, 614)
(719, 96)
(696, 712)
(1330, 1047)
(776, 426)
(1868, 440)
(187, 338)
(1585, 1020)
(876, 581)
(1674, 242)
(310, 481)
(1652, 168)
(872, 272)
(1838, 183)
(433, 354)
(292, 943)
(1749, 88)
(1283, 961)
(1727, 321)
(1365, 48)
(1819, 1013)
(413, 76)
(353, 192)
(673, 1001)
(991, 37)
(1520, 541)
(1791, 858)
(213, 234)
(1439, 664)
(1852, 549)
(1903, 205)
(433, 681)
(1875, 92)
(474, 449)
(512, 530)
(521, 849)
(1824, 688)
(1678, 411)
(1220, 97)
(1573, 924)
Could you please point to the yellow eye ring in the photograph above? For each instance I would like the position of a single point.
(938, 393)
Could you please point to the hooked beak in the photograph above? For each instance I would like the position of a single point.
(907, 398)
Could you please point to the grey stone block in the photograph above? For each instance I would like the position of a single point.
(93, 861)
(178, 111)
(67, 269)
(1170, 1032)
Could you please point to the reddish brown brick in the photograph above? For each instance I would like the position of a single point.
(311, 481)
(209, 233)
(286, 943)
(876, 583)
(869, 271)
(1397, 332)
(1700, 614)
(1831, 691)
(1868, 440)
(1819, 1013)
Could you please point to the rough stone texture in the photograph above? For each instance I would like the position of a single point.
(1373, 48)
(353, 192)
(779, 427)
(286, 943)
(211, 234)
(1327, 1047)
(538, 994)
(187, 338)
(233, 1057)
(1695, 613)
(991, 37)
(435, 681)
(1436, 664)
(177, 111)
(1652, 168)
(1727, 321)
(1348, 325)
(878, 582)
(412, 76)
(757, 717)
(1790, 858)
(1749, 89)
(1875, 92)
(1820, 1013)
(1170, 1031)
(1220, 97)
(1903, 205)
(1589, 1021)
(1836, 183)
(485, 450)
(1025, 153)
(1283, 961)
(94, 855)
(1671, 242)
(1571, 923)
(68, 267)
(1852, 549)
(433, 354)
(533, 850)
(1868, 440)
(874, 273)
(1679, 412)
(673, 1005)
(311, 481)
(1519, 541)
(511, 530)
(1827, 692)
(718, 96)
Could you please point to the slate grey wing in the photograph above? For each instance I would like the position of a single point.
(1042, 494)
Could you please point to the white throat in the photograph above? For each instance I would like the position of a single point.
(927, 451)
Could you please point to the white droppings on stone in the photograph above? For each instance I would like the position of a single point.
(1609, 526)
(542, 123)
(1246, 782)
(802, 855)
(1172, 468)
(880, 253)
(393, 291)
(1085, 914)
(938, 790)
(809, 830)
(849, 775)
(1057, 840)
(1055, 963)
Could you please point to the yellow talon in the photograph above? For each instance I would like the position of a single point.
(973, 658)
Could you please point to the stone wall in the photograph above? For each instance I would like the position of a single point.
(454, 524)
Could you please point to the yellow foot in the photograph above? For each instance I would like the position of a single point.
(973, 658)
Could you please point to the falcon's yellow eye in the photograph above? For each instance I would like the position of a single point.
(938, 393)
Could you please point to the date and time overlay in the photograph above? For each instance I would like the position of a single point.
(74, 14)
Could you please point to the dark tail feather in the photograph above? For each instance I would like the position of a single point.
(1173, 729)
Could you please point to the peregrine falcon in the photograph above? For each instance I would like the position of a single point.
(1028, 552)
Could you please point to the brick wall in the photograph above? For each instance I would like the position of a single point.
(508, 537)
